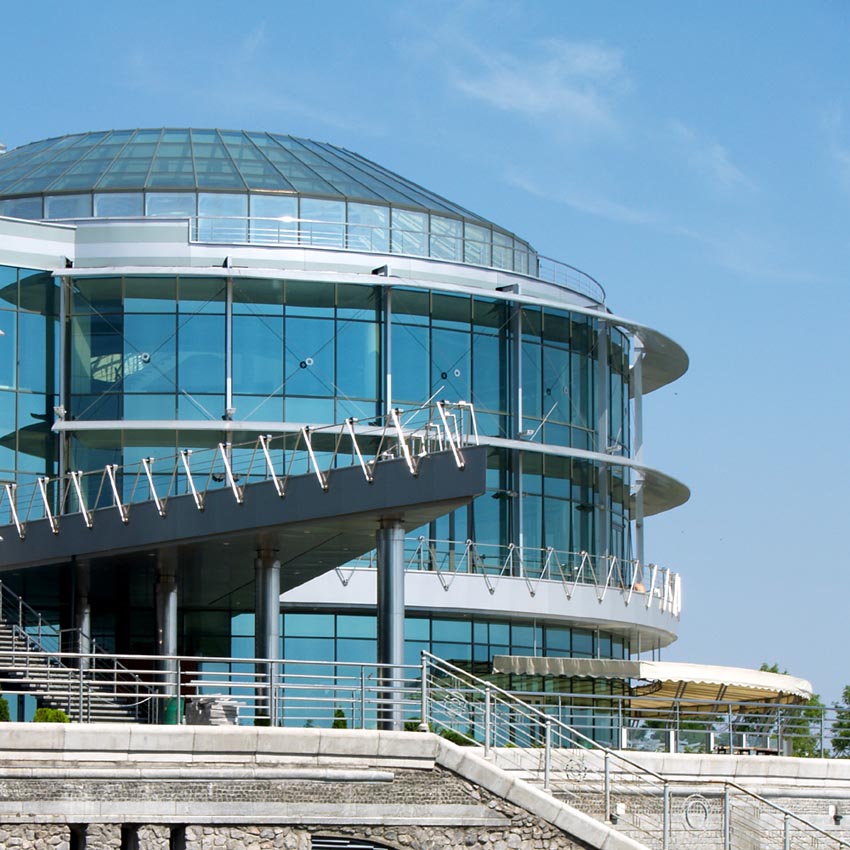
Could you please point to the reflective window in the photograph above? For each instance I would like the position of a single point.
(119, 204)
(446, 238)
(368, 227)
(222, 217)
(322, 224)
(282, 212)
(257, 354)
(172, 204)
(67, 206)
(410, 232)
(21, 208)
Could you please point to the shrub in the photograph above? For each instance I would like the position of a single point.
(50, 715)
(339, 720)
(4, 709)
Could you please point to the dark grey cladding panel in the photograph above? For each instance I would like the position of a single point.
(313, 530)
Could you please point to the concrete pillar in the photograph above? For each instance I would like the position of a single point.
(82, 610)
(166, 632)
(267, 627)
(390, 550)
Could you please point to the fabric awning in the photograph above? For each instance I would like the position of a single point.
(692, 684)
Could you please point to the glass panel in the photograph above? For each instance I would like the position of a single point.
(7, 364)
(149, 353)
(502, 250)
(310, 357)
(21, 208)
(8, 438)
(411, 347)
(450, 366)
(201, 355)
(476, 244)
(318, 226)
(357, 359)
(170, 204)
(409, 232)
(222, 217)
(39, 336)
(446, 238)
(257, 354)
(119, 204)
(258, 297)
(67, 206)
(283, 212)
(367, 227)
(202, 294)
(150, 295)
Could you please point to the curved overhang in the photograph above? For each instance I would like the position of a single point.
(464, 595)
(661, 492)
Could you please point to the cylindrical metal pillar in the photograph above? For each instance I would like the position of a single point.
(390, 551)
(82, 610)
(166, 624)
(267, 624)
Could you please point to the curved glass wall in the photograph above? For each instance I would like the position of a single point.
(170, 349)
(29, 372)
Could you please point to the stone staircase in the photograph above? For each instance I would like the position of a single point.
(85, 696)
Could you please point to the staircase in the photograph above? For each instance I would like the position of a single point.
(32, 663)
(659, 813)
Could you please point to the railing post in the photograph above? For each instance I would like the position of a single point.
(547, 754)
(822, 713)
(727, 828)
(665, 820)
(423, 724)
(607, 787)
(362, 697)
(488, 698)
(786, 833)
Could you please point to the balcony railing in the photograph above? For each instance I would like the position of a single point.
(640, 584)
(384, 239)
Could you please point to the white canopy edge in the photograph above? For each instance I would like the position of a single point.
(762, 684)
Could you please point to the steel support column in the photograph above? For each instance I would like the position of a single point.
(82, 610)
(637, 451)
(390, 550)
(603, 401)
(267, 624)
(166, 624)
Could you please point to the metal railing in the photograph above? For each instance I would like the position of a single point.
(350, 236)
(602, 782)
(642, 584)
(410, 434)
(33, 645)
(514, 735)
(567, 763)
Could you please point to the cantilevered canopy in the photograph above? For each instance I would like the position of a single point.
(691, 684)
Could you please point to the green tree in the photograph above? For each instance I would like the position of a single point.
(841, 726)
(802, 722)
(339, 720)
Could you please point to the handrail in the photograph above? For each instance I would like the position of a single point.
(408, 433)
(570, 763)
(638, 584)
(515, 256)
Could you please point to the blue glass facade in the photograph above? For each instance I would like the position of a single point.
(145, 357)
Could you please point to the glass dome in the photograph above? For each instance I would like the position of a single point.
(238, 186)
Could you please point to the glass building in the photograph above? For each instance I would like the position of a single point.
(166, 289)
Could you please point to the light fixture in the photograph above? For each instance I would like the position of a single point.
(60, 411)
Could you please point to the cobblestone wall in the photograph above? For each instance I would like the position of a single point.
(516, 829)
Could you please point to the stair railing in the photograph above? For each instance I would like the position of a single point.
(569, 764)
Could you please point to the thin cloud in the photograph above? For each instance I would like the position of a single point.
(834, 128)
(710, 159)
(590, 204)
(574, 82)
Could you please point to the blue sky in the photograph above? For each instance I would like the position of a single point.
(694, 158)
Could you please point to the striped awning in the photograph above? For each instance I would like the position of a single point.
(693, 684)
